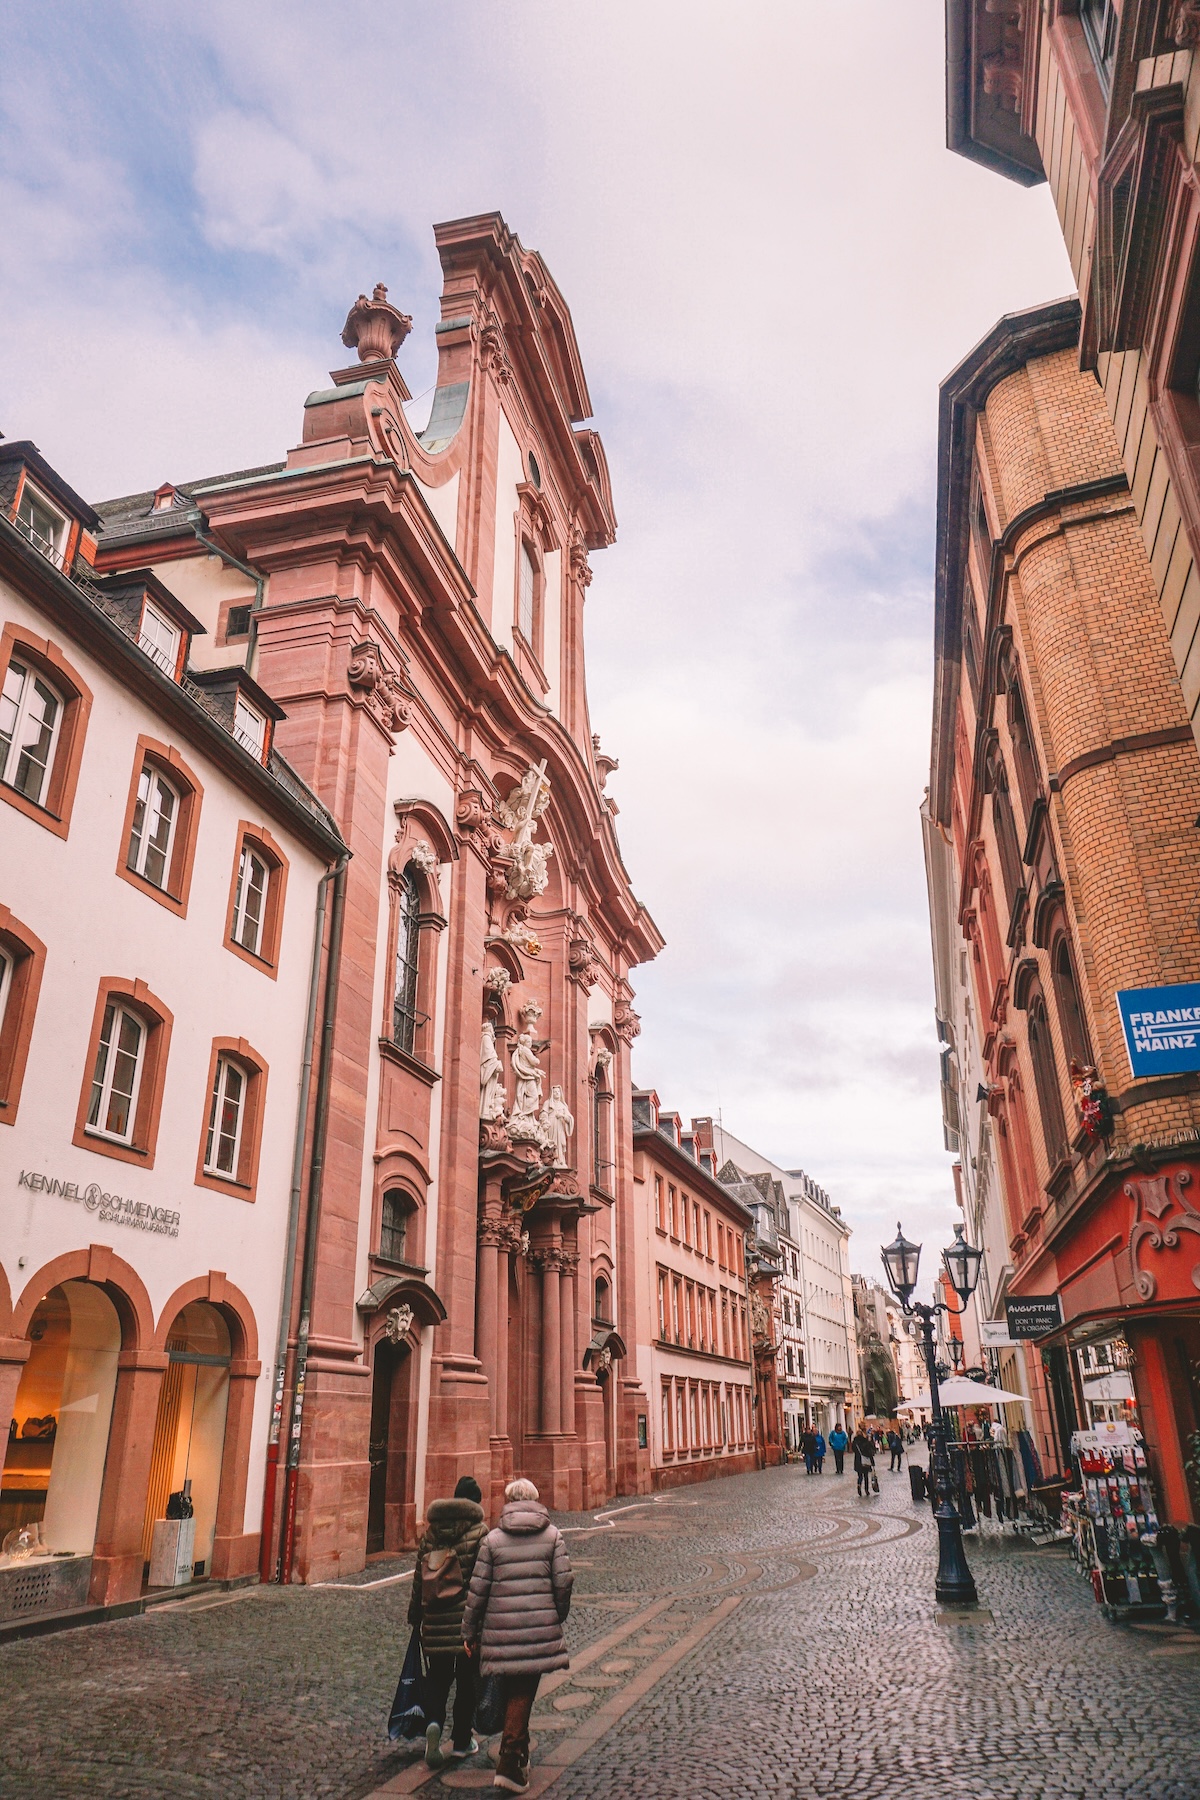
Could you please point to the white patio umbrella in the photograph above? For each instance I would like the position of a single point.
(957, 1390)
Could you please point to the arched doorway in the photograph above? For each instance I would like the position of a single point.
(189, 1429)
(391, 1521)
(58, 1441)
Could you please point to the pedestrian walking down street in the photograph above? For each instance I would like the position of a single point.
(837, 1443)
(520, 1594)
(808, 1444)
(445, 1563)
(819, 1452)
(864, 1459)
(896, 1448)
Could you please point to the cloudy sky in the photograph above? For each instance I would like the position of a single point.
(771, 260)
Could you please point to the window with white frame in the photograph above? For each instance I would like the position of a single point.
(249, 727)
(526, 594)
(117, 1075)
(159, 639)
(45, 528)
(152, 835)
(30, 716)
(250, 899)
(224, 1142)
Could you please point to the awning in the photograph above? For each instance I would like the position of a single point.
(958, 1390)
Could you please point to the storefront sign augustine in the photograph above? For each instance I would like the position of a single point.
(1031, 1318)
(1162, 1028)
(110, 1209)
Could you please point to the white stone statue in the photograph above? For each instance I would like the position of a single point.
(557, 1125)
(528, 1071)
(527, 873)
(491, 1075)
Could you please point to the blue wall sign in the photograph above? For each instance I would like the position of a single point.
(1162, 1028)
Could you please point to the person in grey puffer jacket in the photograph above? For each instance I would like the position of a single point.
(454, 1527)
(520, 1594)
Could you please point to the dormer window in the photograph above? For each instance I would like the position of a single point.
(160, 639)
(45, 528)
(249, 727)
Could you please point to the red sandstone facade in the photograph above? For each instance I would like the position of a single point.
(415, 607)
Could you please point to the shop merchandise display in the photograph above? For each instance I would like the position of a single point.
(1113, 1518)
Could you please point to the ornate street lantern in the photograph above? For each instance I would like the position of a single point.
(962, 1262)
(901, 1260)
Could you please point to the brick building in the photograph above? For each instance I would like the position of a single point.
(413, 603)
(1063, 864)
(693, 1312)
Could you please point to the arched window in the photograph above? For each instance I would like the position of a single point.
(1045, 1076)
(1006, 838)
(1024, 755)
(1070, 1006)
(527, 585)
(603, 1307)
(393, 1225)
(404, 1000)
(602, 1098)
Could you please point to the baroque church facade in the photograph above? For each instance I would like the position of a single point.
(413, 606)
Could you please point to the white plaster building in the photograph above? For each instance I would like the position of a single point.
(817, 1325)
(160, 868)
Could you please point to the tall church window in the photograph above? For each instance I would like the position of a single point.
(404, 1004)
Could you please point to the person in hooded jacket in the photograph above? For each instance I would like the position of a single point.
(445, 1563)
(520, 1595)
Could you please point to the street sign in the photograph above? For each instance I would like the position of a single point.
(995, 1334)
(1162, 1028)
(1033, 1317)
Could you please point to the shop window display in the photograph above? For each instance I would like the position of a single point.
(189, 1430)
(58, 1439)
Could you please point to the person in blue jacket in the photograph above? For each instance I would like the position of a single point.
(819, 1453)
(837, 1443)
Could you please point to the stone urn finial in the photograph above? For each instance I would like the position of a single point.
(375, 329)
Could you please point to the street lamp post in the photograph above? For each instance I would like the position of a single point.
(955, 1585)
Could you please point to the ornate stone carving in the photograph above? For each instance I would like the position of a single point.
(1153, 1198)
(1185, 26)
(558, 1124)
(491, 1075)
(494, 1232)
(604, 764)
(760, 1320)
(493, 1136)
(581, 568)
(374, 328)
(493, 356)
(496, 981)
(525, 862)
(604, 1057)
(424, 856)
(583, 961)
(626, 1023)
(398, 1323)
(472, 811)
(521, 935)
(378, 685)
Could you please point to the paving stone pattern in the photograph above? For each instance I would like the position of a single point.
(765, 1634)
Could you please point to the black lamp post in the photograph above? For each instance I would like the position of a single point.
(956, 1353)
(954, 1585)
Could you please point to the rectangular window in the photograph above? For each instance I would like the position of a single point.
(691, 1315)
(720, 1244)
(30, 716)
(676, 1308)
(225, 1119)
(117, 1074)
(159, 639)
(662, 1305)
(696, 1225)
(694, 1409)
(681, 1433)
(153, 831)
(686, 1209)
(668, 1435)
(249, 727)
(250, 900)
(393, 1226)
(708, 1234)
(673, 1209)
(658, 1202)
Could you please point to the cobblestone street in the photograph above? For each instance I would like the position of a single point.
(766, 1634)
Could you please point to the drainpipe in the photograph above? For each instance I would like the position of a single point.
(214, 549)
(293, 1225)
(316, 1175)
